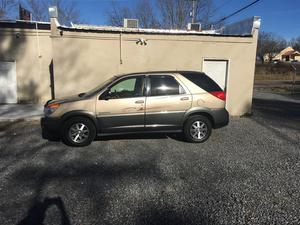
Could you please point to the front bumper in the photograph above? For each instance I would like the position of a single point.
(51, 124)
(221, 117)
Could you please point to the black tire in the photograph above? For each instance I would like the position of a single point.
(89, 135)
(190, 122)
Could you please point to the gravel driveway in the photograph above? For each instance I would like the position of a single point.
(246, 173)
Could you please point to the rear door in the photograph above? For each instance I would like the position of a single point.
(166, 103)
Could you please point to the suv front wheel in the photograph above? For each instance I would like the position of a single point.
(197, 129)
(78, 131)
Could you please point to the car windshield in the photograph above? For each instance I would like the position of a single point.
(99, 87)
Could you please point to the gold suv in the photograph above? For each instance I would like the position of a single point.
(169, 101)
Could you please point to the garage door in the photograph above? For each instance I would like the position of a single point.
(217, 70)
(8, 82)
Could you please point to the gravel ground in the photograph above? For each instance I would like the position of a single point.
(246, 173)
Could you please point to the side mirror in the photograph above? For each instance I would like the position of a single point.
(105, 95)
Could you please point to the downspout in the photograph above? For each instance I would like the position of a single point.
(38, 54)
(120, 40)
(37, 39)
(54, 33)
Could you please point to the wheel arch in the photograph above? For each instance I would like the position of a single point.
(80, 113)
(197, 113)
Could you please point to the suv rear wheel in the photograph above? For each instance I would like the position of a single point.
(78, 131)
(197, 129)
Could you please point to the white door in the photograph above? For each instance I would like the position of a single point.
(8, 82)
(217, 70)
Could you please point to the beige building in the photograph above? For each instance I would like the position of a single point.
(288, 54)
(38, 61)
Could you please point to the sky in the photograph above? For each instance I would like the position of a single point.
(278, 16)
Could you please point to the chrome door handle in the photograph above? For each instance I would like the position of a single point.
(184, 98)
(139, 101)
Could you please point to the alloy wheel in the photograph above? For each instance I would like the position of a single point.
(78, 132)
(198, 130)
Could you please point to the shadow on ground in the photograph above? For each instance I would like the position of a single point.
(276, 116)
(280, 112)
(47, 135)
(102, 189)
(37, 213)
(145, 136)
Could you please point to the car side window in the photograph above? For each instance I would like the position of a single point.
(127, 88)
(164, 85)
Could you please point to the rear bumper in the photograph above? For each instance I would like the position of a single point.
(221, 117)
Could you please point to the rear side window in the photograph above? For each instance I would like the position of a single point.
(165, 85)
(203, 81)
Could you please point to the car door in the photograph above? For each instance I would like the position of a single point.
(121, 108)
(166, 103)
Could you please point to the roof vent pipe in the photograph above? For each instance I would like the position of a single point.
(53, 13)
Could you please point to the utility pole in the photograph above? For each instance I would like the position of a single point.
(294, 78)
(193, 10)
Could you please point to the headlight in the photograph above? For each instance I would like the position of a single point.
(49, 109)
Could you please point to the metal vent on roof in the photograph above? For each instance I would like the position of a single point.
(194, 26)
(131, 23)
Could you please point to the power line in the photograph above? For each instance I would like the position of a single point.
(236, 12)
(221, 6)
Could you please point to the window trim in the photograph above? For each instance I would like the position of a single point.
(148, 86)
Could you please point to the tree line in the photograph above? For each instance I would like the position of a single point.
(170, 14)
(270, 44)
(67, 10)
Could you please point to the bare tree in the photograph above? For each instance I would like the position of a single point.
(205, 10)
(170, 13)
(176, 13)
(5, 7)
(117, 13)
(269, 44)
(39, 9)
(67, 10)
(295, 43)
(143, 11)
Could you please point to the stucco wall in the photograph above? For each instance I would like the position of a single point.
(84, 59)
(32, 53)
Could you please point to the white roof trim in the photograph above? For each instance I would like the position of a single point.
(27, 21)
(136, 30)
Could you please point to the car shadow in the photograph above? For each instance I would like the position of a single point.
(47, 135)
(174, 136)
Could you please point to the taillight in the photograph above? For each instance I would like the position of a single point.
(219, 94)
